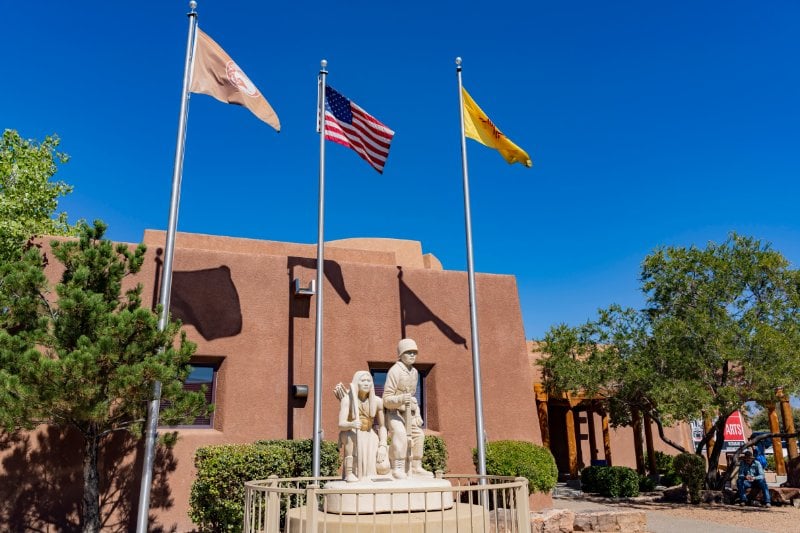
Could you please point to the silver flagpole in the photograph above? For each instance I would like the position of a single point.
(323, 73)
(473, 315)
(166, 276)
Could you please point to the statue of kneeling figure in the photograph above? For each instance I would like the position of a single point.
(360, 413)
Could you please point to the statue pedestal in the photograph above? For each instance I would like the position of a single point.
(366, 501)
(460, 517)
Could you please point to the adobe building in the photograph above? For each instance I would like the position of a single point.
(247, 305)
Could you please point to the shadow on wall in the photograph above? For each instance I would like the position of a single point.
(333, 273)
(414, 312)
(41, 483)
(207, 299)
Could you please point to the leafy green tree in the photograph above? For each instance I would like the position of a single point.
(759, 421)
(720, 329)
(83, 358)
(28, 195)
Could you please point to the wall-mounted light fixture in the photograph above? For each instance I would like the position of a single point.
(300, 391)
(299, 290)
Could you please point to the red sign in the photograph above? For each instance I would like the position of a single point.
(734, 430)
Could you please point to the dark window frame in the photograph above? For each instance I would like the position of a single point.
(211, 397)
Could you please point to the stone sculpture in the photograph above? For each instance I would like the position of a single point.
(364, 447)
(403, 417)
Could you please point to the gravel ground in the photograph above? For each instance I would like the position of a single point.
(666, 517)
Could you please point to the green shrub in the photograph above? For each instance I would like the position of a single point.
(216, 502)
(671, 479)
(692, 469)
(646, 484)
(521, 459)
(330, 460)
(435, 454)
(611, 481)
(664, 463)
(618, 481)
(589, 477)
(770, 463)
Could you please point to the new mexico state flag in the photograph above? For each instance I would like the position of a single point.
(479, 127)
(214, 73)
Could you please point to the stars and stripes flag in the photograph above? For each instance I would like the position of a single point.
(351, 126)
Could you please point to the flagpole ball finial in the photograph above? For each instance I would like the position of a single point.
(458, 61)
(192, 5)
(324, 63)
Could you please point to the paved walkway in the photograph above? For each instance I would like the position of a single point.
(657, 522)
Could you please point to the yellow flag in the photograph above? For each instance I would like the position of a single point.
(479, 127)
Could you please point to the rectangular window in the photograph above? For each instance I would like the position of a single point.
(201, 374)
(379, 379)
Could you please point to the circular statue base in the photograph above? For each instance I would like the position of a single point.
(434, 495)
(460, 517)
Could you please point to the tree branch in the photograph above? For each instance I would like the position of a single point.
(664, 438)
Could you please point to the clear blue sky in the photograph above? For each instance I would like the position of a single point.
(649, 123)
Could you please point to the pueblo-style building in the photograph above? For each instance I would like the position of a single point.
(249, 307)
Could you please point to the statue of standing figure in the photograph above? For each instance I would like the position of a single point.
(360, 409)
(403, 416)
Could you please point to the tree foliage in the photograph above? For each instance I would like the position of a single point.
(28, 195)
(720, 329)
(85, 356)
(759, 421)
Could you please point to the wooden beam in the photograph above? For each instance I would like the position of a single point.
(777, 447)
(572, 446)
(590, 427)
(544, 422)
(606, 439)
(788, 423)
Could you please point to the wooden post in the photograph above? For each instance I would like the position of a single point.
(590, 428)
(777, 448)
(572, 446)
(541, 409)
(651, 452)
(576, 413)
(707, 425)
(606, 439)
(788, 423)
(637, 440)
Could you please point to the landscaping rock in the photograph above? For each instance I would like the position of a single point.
(611, 521)
(552, 521)
(677, 494)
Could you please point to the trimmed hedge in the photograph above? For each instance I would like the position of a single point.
(692, 469)
(330, 460)
(610, 481)
(216, 502)
(434, 456)
(521, 459)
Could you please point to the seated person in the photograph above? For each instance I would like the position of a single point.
(751, 476)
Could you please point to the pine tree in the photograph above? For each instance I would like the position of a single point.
(84, 356)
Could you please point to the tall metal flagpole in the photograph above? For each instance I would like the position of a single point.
(166, 277)
(323, 73)
(473, 315)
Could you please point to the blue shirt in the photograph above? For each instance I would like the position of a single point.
(753, 469)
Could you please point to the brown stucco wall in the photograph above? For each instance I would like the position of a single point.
(263, 336)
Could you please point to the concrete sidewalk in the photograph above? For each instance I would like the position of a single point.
(657, 522)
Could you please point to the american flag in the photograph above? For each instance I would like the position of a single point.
(351, 126)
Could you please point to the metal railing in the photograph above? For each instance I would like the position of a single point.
(472, 504)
